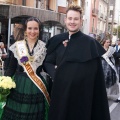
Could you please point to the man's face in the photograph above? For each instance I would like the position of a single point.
(73, 21)
(118, 42)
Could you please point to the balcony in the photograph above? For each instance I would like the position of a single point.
(95, 12)
(110, 21)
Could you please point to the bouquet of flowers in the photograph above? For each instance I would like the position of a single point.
(6, 83)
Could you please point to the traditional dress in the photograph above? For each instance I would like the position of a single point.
(26, 101)
(117, 59)
(78, 91)
(110, 74)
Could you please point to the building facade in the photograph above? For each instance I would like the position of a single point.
(114, 21)
(102, 16)
(17, 11)
(95, 14)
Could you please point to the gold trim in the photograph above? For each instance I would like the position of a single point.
(37, 81)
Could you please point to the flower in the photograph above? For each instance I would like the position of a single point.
(6, 83)
(65, 42)
(24, 59)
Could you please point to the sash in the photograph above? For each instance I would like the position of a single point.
(22, 52)
(112, 66)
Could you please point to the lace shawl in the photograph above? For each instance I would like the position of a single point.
(109, 54)
(39, 54)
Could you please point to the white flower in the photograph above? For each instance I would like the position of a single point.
(7, 82)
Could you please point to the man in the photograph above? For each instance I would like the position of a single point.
(73, 61)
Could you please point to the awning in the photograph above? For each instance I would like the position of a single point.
(11, 11)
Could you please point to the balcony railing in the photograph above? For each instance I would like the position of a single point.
(110, 21)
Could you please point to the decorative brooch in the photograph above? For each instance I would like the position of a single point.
(24, 59)
(65, 42)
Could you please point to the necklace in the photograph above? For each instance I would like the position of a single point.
(31, 57)
(31, 52)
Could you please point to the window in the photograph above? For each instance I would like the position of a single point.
(52, 5)
(38, 3)
(24, 2)
(111, 13)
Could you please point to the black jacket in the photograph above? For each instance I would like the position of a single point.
(117, 57)
(78, 91)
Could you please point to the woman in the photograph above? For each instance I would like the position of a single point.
(28, 101)
(3, 55)
(18, 34)
(110, 72)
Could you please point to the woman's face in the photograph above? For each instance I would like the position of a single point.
(107, 43)
(32, 30)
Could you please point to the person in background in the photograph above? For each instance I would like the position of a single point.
(73, 61)
(110, 71)
(117, 61)
(2, 50)
(30, 99)
(3, 55)
(18, 34)
(98, 39)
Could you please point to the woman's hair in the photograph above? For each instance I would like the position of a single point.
(75, 8)
(104, 40)
(18, 32)
(32, 19)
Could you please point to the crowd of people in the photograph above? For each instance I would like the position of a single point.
(84, 73)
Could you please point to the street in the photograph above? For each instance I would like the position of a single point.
(114, 110)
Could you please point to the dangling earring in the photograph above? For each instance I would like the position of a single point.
(25, 35)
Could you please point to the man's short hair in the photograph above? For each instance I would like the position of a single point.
(75, 8)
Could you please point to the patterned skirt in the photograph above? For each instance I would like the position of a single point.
(25, 102)
(109, 74)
